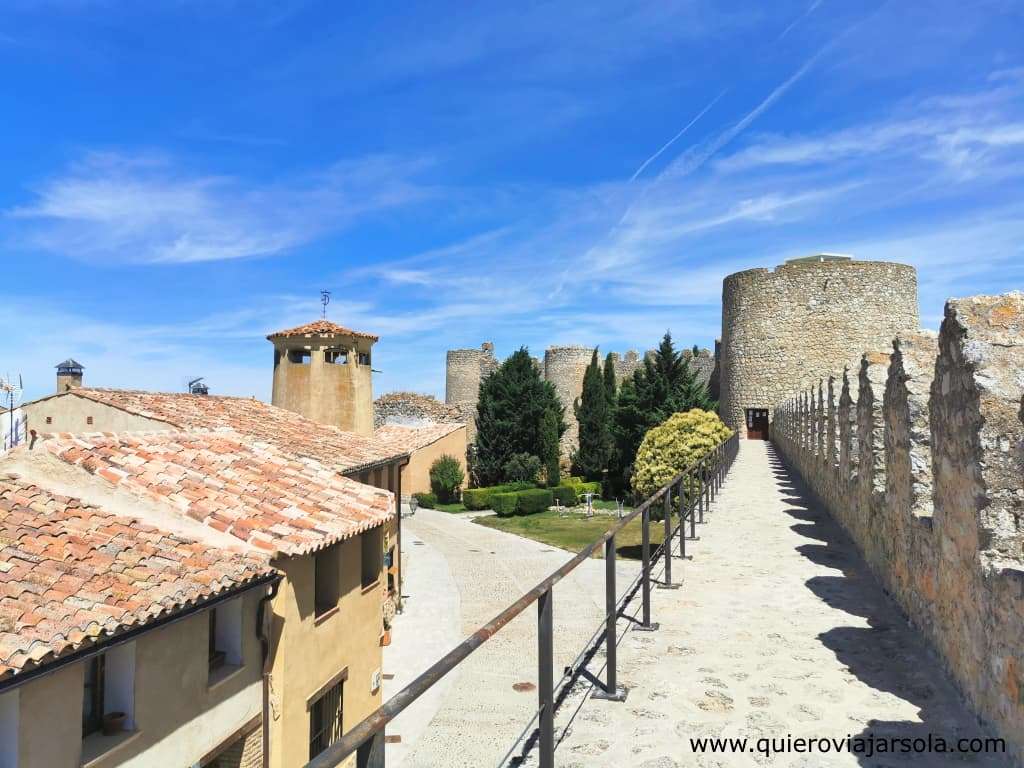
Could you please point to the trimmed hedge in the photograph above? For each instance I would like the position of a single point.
(426, 500)
(534, 500)
(480, 498)
(526, 502)
(505, 504)
(566, 495)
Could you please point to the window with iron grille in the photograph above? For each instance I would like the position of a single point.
(325, 719)
(92, 695)
(364, 358)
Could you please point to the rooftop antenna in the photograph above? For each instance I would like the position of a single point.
(10, 391)
(197, 387)
(325, 299)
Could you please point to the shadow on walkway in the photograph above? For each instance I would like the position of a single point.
(887, 655)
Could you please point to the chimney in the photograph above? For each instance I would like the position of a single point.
(69, 375)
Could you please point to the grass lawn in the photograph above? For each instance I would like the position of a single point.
(575, 531)
(456, 507)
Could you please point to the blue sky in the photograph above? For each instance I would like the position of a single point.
(179, 179)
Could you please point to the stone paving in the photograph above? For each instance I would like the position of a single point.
(480, 714)
(779, 631)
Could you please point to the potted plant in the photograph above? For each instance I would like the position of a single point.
(113, 722)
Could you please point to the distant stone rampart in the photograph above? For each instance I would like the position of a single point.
(920, 456)
(563, 366)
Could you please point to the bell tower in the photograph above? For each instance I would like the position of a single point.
(322, 371)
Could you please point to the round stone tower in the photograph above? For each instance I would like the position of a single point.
(322, 370)
(464, 370)
(564, 368)
(784, 329)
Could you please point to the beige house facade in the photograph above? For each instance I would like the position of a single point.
(85, 633)
(426, 444)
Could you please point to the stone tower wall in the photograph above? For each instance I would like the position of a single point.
(564, 368)
(464, 370)
(786, 328)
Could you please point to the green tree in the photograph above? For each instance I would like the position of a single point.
(446, 478)
(594, 417)
(510, 412)
(550, 447)
(665, 384)
(610, 389)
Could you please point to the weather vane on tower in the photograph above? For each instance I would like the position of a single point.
(325, 299)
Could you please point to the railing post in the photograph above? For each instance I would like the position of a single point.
(666, 547)
(645, 548)
(545, 681)
(693, 518)
(700, 490)
(611, 691)
(682, 519)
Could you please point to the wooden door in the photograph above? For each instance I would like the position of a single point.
(757, 423)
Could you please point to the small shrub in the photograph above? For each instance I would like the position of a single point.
(505, 504)
(522, 468)
(446, 478)
(565, 495)
(594, 488)
(672, 446)
(426, 500)
(534, 500)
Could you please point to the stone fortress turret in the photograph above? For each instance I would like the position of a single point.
(787, 328)
(563, 366)
(322, 371)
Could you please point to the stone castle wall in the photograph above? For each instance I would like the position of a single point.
(786, 328)
(921, 459)
(563, 366)
(464, 370)
(412, 409)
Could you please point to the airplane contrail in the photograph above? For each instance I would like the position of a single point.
(672, 141)
(798, 19)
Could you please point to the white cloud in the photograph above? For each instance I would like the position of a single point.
(113, 207)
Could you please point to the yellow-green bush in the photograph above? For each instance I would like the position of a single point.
(671, 446)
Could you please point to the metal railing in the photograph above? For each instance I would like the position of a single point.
(693, 489)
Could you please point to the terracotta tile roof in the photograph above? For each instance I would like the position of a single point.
(322, 327)
(275, 501)
(72, 574)
(409, 438)
(253, 418)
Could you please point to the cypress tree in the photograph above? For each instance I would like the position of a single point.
(510, 410)
(551, 447)
(664, 385)
(592, 414)
(609, 382)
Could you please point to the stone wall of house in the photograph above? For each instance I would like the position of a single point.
(786, 328)
(412, 409)
(922, 463)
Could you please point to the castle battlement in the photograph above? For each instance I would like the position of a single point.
(917, 453)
